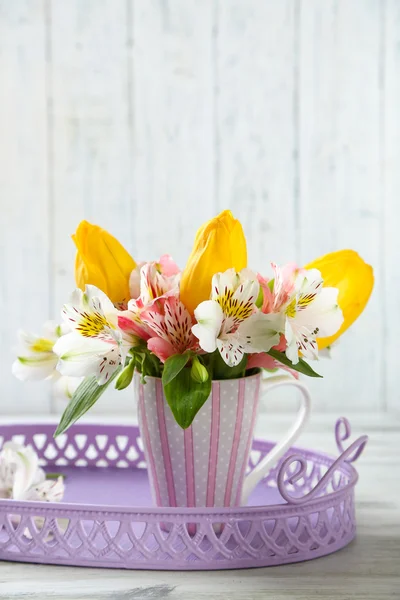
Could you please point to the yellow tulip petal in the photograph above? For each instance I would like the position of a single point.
(102, 261)
(219, 245)
(354, 278)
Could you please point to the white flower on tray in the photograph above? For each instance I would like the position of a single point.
(21, 477)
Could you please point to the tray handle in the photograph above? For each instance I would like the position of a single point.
(348, 455)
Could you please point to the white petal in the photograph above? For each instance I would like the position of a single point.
(222, 282)
(134, 281)
(64, 387)
(39, 477)
(207, 339)
(93, 300)
(107, 365)
(230, 349)
(54, 330)
(47, 491)
(247, 292)
(260, 332)
(27, 464)
(292, 351)
(309, 349)
(309, 282)
(323, 312)
(73, 345)
(94, 295)
(80, 357)
(209, 318)
(79, 368)
(28, 368)
(247, 274)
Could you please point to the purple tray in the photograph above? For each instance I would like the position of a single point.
(303, 509)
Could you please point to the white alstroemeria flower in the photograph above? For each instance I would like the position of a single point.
(48, 490)
(312, 312)
(230, 320)
(21, 478)
(36, 359)
(19, 470)
(96, 345)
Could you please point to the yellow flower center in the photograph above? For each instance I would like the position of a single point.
(297, 305)
(291, 309)
(91, 325)
(304, 301)
(232, 307)
(42, 345)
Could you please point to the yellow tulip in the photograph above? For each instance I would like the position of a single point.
(102, 261)
(219, 245)
(347, 271)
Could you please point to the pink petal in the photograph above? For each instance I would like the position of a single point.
(264, 361)
(261, 361)
(169, 319)
(167, 266)
(133, 327)
(284, 282)
(161, 348)
(268, 297)
(281, 347)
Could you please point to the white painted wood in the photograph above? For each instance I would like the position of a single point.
(390, 219)
(90, 134)
(341, 194)
(149, 116)
(365, 570)
(25, 209)
(173, 124)
(256, 120)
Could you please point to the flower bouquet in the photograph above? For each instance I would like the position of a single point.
(195, 343)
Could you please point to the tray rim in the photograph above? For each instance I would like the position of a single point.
(225, 513)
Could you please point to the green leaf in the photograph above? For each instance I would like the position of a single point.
(220, 370)
(173, 366)
(301, 367)
(186, 396)
(54, 475)
(125, 377)
(260, 298)
(83, 398)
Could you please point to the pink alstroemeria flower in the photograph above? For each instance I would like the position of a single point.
(171, 324)
(157, 273)
(149, 282)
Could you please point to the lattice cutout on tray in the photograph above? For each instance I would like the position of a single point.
(83, 446)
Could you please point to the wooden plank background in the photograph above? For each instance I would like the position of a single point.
(150, 116)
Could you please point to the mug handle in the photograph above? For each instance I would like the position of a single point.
(280, 448)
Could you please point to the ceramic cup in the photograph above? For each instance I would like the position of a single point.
(205, 465)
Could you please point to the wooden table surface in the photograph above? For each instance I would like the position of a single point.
(369, 568)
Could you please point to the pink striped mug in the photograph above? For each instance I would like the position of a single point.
(205, 464)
